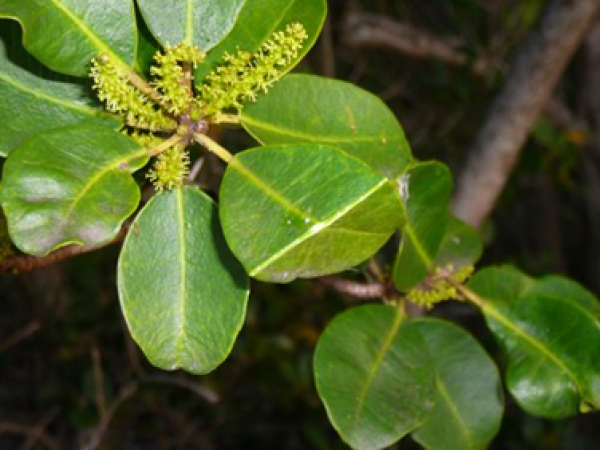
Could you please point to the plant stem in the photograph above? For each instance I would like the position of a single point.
(213, 147)
(143, 86)
(226, 118)
(137, 126)
(165, 145)
(467, 293)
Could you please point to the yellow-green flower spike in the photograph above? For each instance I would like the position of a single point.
(245, 75)
(124, 99)
(170, 169)
(171, 80)
(146, 140)
(437, 288)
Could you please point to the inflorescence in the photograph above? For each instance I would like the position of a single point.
(167, 106)
(437, 287)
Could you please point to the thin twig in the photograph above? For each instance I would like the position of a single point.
(38, 430)
(99, 383)
(364, 30)
(27, 263)
(23, 430)
(355, 289)
(96, 439)
(22, 334)
(196, 168)
(203, 392)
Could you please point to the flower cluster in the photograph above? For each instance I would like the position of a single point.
(246, 75)
(171, 168)
(121, 97)
(437, 288)
(170, 78)
(166, 107)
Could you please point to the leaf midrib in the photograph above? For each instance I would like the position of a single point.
(88, 33)
(315, 228)
(410, 233)
(189, 29)
(112, 165)
(532, 340)
(372, 372)
(181, 304)
(43, 95)
(310, 137)
(454, 411)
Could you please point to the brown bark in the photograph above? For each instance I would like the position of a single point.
(363, 30)
(26, 263)
(535, 72)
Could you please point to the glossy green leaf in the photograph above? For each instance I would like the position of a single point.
(66, 34)
(304, 211)
(70, 186)
(203, 23)
(426, 192)
(461, 245)
(258, 20)
(550, 333)
(374, 375)
(35, 99)
(182, 292)
(305, 108)
(148, 46)
(468, 394)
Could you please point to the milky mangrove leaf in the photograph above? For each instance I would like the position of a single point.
(182, 292)
(304, 210)
(309, 109)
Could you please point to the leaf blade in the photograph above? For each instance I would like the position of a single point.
(203, 23)
(547, 339)
(426, 203)
(373, 376)
(74, 32)
(186, 308)
(305, 108)
(465, 415)
(78, 191)
(305, 214)
(49, 100)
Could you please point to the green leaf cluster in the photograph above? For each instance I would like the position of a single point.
(329, 182)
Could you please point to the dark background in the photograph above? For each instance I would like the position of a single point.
(70, 377)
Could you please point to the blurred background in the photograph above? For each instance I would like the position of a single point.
(70, 376)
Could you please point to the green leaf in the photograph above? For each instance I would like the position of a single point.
(70, 186)
(426, 193)
(203, 23)
(258, 20)
(468, 404)
(66, 34)
(182, 293)
(461, 245)
(35, 99)
(305, 108)
(304, 211)
(550, 333)
(148, 46)
(374, 375)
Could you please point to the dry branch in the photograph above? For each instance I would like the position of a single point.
(364, 30)
(535, 72)
(26, 263)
